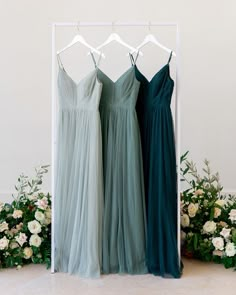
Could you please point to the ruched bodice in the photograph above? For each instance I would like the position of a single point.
(119, 94)
(157, 92)
(82, 95)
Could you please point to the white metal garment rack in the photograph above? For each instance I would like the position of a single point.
(53, 107)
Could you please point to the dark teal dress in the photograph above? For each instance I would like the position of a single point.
(160, 176)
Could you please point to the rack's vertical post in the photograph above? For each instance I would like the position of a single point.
(53, 142)
(178, 138)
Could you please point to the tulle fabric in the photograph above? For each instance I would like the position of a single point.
(159, 165)
(79, 177)
(124, 226)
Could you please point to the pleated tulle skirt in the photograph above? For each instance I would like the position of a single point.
(161, 192)
(79, 193)
(124, 227)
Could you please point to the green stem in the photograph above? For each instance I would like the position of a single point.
(186, 179)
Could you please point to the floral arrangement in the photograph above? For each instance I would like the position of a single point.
(208, 219)
(25, 224)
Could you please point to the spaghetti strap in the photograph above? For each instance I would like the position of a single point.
(137, 55)
(59, 61)
(131, 59)
(170, 57)
(96, 64)
(99, 59)
(93, 58)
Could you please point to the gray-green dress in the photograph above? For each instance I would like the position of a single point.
(79, 183)
(124, 224)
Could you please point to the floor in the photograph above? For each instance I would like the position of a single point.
(198, 278)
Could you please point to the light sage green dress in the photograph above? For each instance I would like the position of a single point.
(79, 176)
(124, 227)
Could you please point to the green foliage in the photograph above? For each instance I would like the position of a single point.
(20, 241)
(208, 219)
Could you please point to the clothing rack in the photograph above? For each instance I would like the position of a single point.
(54, 25)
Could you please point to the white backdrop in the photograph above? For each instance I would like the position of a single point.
(208, 80)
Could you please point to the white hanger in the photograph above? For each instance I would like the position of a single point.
(115, 37)
(80, 39)
(150, 38)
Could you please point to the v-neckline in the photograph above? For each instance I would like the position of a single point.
(82, 79)
(119, 78)
(155, 75)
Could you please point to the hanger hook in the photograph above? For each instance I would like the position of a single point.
(78, 23)
(149, 27)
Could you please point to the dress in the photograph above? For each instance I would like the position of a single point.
(159, 164)
(79, 184)
(124, 228)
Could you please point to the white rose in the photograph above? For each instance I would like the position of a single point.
(185, 220)
(3, 226)
(223, 224)
(192, 209)
(42, 203)
(32, 197)
(48, 213)
(35, 240)
(225, 232)
(21, 239)
(220, 202)
(199, 192)
(217, 212)
(39, 216)
(34, 227)
(17, 214)
(209, 227)
(28, 252)
(47, 221)
(232, 215)
(14, 245)
(230, 249)
(218, 243)
(47, 217)
(4, 242)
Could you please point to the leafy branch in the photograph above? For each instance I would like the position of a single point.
(208, 181)
(28, 186)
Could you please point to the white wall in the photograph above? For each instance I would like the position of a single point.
(208, 79)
